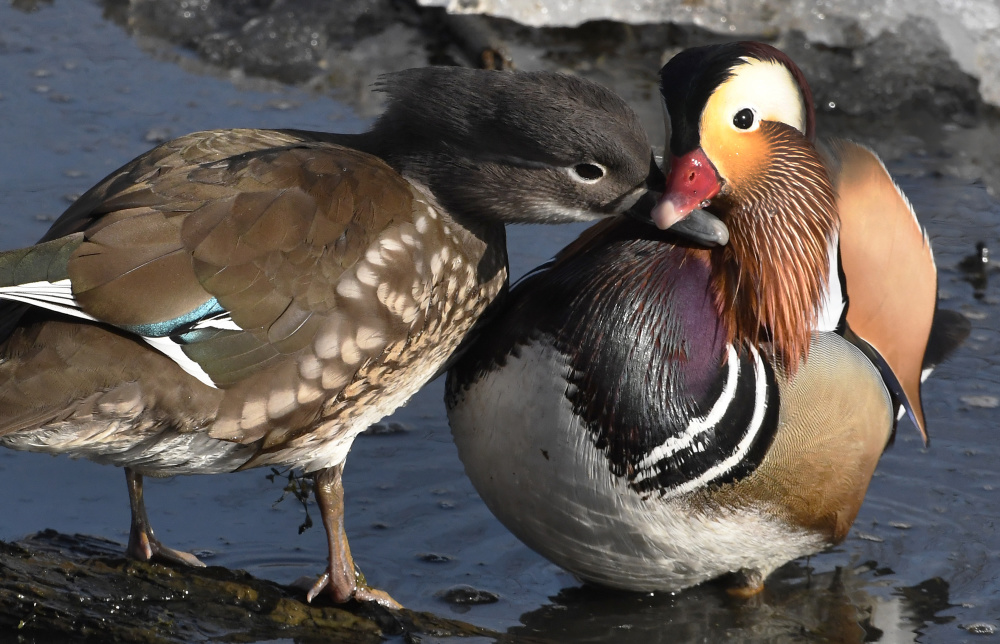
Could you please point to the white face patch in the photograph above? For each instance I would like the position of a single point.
(767, 89)
(730, 124)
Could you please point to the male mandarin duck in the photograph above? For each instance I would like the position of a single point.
(649, 414)
(242, 298)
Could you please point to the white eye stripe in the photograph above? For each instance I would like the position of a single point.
(589, 173)
(767, 88)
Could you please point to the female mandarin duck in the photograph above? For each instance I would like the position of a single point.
(241, 298)
(650, 415)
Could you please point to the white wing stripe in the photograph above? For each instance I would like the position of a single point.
(55, 296)
(222, 321)
(58, 297)
(172, 350)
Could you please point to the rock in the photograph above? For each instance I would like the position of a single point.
(75, 588)
(969, 29)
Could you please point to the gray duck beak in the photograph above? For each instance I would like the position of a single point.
(699, 227)
(703, 228)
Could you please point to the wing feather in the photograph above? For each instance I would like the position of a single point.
(888, 264)
(240, 249)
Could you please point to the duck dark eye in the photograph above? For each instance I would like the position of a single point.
(589, 171)
(743, 119)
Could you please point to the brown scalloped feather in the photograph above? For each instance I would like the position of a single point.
(891, 277)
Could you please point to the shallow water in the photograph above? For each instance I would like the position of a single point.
(79, 97)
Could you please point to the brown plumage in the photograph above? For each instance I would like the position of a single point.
(240, 298)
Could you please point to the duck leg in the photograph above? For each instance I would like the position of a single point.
(344, 580)
(142, 545)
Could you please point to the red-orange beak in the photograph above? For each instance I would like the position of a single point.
(691, 183)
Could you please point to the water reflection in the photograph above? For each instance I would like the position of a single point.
(849, 604)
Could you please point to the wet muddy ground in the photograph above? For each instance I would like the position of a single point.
(81, 92)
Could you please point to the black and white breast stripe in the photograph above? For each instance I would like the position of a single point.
(722, 445)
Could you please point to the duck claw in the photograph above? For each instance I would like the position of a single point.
(369, 594)
(143, 546)
(361, 592)
(317, 588)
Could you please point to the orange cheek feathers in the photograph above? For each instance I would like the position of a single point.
(737, 156)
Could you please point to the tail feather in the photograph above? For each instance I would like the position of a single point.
(45, 262)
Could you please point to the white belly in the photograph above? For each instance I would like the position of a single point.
(116, 442)
(536, 468)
